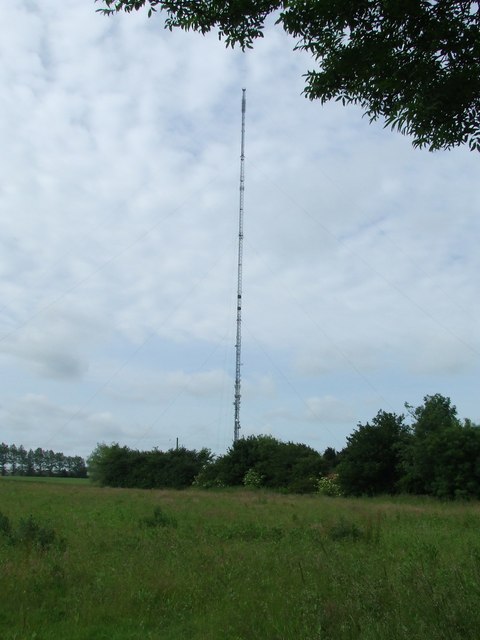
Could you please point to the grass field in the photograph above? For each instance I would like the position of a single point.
(113, 564)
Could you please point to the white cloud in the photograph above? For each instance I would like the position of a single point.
(329, 409)
(39, 421)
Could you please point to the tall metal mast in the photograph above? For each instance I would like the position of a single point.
(238, 345)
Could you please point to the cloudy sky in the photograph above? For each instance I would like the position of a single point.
(119, 191)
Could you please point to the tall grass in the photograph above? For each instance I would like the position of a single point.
(236, 565)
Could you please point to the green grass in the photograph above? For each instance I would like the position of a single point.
(130, 564)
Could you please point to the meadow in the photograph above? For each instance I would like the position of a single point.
(89, 563)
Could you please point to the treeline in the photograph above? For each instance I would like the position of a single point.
(264, 461)
(116, 466)
(254, 461)
(436, 454)
(18, 461)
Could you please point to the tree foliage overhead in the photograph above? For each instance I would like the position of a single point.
(414, 63)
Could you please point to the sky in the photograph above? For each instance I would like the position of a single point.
(119, 202)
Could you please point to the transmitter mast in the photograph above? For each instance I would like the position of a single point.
(238, 345)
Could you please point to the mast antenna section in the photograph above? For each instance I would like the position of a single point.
(238, 345)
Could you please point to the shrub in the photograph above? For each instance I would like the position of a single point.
(5, 526)
(30, 533)
(159, 519)
(302, 485)
(208, 478)
(345, 530)
(116, 466)
(252, 479)
(329, 486)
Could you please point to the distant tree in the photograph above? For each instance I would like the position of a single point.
(4, 448)
(280, 465)
(243, 455)
(430, 419)
(181, 466)
(39, 461)
(443, 457)
(60, 463)
(108, 465)
(18, 461)
(414, 63)
(435, 414)
(456, 472)
(13, 459)
(49, 462)
(75, 467)
(30, 463)
(371, 461)
(116, 466)
(331, 459)
(22, 461)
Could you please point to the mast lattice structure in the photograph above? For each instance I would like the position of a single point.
(238, 344)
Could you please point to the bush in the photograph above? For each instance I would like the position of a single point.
(207, 481)
(30, 533)
(264, 461)
(329, 486)
(252, 479)
(371, 462)
(302, 485)
(345, 530)
(116, 466)
(5, 526)
(159, 519)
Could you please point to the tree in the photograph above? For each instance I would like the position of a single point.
(49, 462)
(22, 461)
(13, 459)
(443, 456)
(59, 464)
(420, 461)
(435, 414)
(331, 458)
(456, 471)
(39, 460)
(116, 466)
(110, 465)
(3, 458)
(30, 471)
(371, 461)
(280, 465)
(415, 63)
(76, 467)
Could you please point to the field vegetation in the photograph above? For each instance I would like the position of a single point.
(437, 454)
(89, 563)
